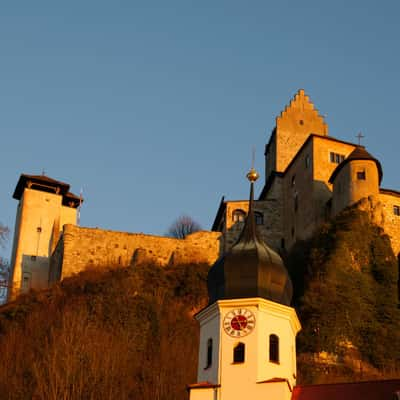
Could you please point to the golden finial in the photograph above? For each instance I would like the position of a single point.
(253, 175)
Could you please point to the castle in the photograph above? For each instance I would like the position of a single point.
(309, 178)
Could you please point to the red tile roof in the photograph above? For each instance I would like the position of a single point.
(372, 390)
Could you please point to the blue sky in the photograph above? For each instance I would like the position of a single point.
(153, 107)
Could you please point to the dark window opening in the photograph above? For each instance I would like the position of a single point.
(238, 353)
(259, 218)
(238, 215)
(293, 232)
(283, 243)
(209, 353)
(396, 210)
(301, 122)
(39, 229)
(361, 175)
(293, 180)
(335, 157)
(308, 161)
(274, 349)
(296, 203)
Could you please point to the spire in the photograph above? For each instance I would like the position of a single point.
(250, 268)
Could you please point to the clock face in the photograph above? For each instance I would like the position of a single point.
(239, 322)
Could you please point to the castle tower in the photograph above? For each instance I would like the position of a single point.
(45, 205)
(298, 120)
(358, 176)
(248, 331)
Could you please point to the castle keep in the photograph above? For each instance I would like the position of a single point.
(309, 178)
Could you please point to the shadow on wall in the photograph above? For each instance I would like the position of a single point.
(35, 272)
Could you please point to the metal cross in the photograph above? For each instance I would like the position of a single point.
(359, 136)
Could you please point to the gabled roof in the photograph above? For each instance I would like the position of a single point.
(359, 153)
(371, 390)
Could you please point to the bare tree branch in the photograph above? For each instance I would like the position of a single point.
(183, 226)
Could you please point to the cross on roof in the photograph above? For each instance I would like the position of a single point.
(359, 136)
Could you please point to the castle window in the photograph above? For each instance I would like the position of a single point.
(238, 215)
(209, 353)
(259, 218)
(301, 122)
(361, 175)
(39, 229)
(335, 157)
(238, 353)
(396, 210)
(308, 161)
(274, 349)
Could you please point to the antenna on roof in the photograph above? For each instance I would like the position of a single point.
(359, 136)
(43, 172)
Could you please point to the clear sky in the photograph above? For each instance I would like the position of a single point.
(153, 106)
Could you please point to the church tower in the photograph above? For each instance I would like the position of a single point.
(248, 331)
(45, 205)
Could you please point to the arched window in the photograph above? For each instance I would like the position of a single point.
(274, 349)
(238, 215)
(238, 353)
(209, 353)
(259, 218)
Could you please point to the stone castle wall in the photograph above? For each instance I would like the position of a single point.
(81, 248)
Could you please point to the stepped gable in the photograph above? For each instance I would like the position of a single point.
(302, 105)
(250, 268)
(359, 153)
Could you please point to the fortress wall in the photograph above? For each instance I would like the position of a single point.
(391, 222)
(82, 248)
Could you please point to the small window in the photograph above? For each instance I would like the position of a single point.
(238, 353)
(296, 203)
(293, 180)
(274, 349)
(283, 243)
(209, 353)
(39, 229)
(361, 175)
(308, 161)
(301, 122)
(396, 210)
(238, 216)
(259, 218)
(335, 157)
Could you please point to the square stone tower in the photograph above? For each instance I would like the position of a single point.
(45, 205)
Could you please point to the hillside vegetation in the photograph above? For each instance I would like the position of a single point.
(130, 333)
(122, 334)
(346, 293)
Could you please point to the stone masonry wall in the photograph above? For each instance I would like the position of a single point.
(81, 248)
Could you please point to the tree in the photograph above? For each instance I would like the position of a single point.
(183, 226)
(4, 232)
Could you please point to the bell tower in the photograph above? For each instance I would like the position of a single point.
(248, 331)
(45, 205)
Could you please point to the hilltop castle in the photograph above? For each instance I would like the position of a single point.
(309, 178)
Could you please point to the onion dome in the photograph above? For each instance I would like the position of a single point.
(359, 153)
(250, 268)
